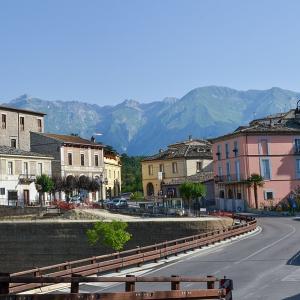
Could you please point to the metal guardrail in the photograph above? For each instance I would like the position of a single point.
(208, 291)
(135, 257)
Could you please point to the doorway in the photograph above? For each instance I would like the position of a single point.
(26, 197)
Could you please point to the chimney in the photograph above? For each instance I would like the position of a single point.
(93, 140)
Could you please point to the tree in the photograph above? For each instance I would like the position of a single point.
(58, 185)
(192, 190)
(255, 180)
(131, 173)
(111, 234)
(71, 184)
(44, 185)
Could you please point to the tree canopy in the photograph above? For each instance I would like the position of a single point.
(111, 234)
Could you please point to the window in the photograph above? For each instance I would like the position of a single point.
(13, 143)
(10, 168)
(22, 125)
(238, 195)
(237, 169)
(297, 145)
(3, 121)
(109, 173)
(39, 123)
(222, 194)
(228, 170)
(263, 147)
(161, 168)
(235, 148)
(227, 150)
(220, 171)
(268, 195)
(114, 174)
(70, 160)
(39, 169)
(199, 166)
(12, 195)
(96, 160)
(25, 168)
(265, 168)
(2, 191)
(82, 159)
(150, 170)
(174, 167)
(298, 168)
(219, 152)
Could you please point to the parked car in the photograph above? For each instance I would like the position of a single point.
(117, 203)
(76, 199)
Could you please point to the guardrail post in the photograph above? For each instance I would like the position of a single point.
(165, 246)
(184, 251)
(155, 259)
(130, 286)
(210, 284)
(116, 257)
(138, 251)
(175, 285)
(176, 253)
(75, 285)
(4, 286)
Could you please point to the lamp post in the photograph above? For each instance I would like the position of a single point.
(102, 181)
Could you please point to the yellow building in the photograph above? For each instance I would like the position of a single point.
(112, 167)
(176, 163)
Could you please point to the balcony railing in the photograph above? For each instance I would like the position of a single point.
(27, 178)
(231, 178)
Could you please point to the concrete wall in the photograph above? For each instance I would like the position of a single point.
(24, 245)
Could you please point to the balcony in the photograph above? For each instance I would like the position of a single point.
(26, 178)
(297, 151)
(232, 178)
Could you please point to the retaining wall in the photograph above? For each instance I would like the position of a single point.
(24, 245)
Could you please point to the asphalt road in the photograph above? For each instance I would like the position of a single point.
(263, 266)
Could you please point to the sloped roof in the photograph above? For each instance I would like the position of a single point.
(72, 139)
(19, 152)
(26, 111)
(197, 149)
(281, 123)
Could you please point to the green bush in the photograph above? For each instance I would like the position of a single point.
(111, 234)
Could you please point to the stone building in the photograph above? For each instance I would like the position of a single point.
(112, 166)
(73, 156)
(176, 164)
(18, 172)
(16, 125)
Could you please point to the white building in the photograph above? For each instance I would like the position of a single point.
(18, 171)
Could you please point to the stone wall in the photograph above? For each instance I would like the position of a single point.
(24, 245)
(10, 211)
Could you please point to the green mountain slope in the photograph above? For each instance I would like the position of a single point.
(141, 129)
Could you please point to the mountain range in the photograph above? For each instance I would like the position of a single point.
(138, 128)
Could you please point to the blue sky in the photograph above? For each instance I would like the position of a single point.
(106, 51)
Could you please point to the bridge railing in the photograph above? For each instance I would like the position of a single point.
(134, 257)
(208, 291)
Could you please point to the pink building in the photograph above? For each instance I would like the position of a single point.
(269, 147)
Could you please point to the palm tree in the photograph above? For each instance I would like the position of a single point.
(255, 180)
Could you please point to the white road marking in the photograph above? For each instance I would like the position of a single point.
(268, 246)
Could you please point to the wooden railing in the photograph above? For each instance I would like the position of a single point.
(135, 257)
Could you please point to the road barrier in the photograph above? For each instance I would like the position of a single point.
(209, 291)
(135, 257)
